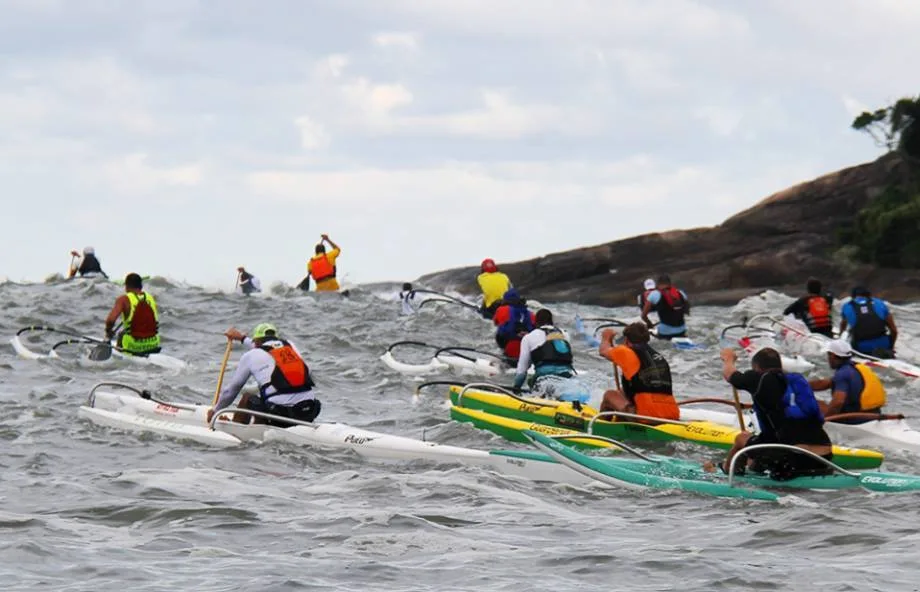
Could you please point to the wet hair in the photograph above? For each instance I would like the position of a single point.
(133, 281)
(767, 359)
(813, 286)
(860, 291)
(636, 333)
(664, 279)
(407, 287)
(320, 249)
(544, 317)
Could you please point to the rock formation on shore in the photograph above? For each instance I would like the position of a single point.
(777, 244)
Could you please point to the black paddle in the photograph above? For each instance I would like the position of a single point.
(103, 351)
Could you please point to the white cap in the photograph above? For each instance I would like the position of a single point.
(89, 251)
(649, 284)
(840, 348)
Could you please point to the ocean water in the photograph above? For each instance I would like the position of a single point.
(91, 508)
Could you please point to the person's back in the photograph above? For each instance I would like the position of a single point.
(249, 283)
(814, 309)
(140, 333)
(648, 286)
(493, 285)
(513, 321)
(89, 264)
(322, 267)
(672, 305)
(407, 298)
(869, 322)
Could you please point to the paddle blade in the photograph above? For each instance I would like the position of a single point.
(101, 352)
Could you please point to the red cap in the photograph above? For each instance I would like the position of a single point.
(488, 266)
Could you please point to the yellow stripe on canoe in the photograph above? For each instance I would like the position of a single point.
(519, 426)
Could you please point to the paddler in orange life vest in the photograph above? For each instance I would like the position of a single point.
(814, 309)
(493, 284)
(284, 380)
(671, 305)
(647, 388)
(322, 267)
(140, 334)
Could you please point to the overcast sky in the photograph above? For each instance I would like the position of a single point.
(184, 138)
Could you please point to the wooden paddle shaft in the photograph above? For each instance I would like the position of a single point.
(223, 368)
(738, 409)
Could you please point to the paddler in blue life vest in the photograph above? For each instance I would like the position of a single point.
(648, 286)
(672, 306)
(140, 333)
(855, 388)
(814, 309)
(787, 413)
(322, 267)
(88, 266)
(514, 321)
(493, 284)
(872, 327)
(284, 380)
(547, 348)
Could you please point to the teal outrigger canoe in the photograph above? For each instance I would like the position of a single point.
(662, 472)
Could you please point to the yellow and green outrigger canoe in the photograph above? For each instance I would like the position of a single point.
(497, 408)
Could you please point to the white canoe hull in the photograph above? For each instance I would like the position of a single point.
(893, 434)
(160, 360)
(188, 422)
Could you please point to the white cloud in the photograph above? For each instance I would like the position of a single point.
(396, 40)
(312, 134)
(131, 174)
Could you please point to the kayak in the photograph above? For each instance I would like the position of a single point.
(564, 414)
(662, 472)
(886, 433)
(129, 410)
(161, 360)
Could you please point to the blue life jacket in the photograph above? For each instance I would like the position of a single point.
(518, 322)
(799, 401)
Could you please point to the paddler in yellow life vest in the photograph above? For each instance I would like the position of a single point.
(322, 267)
(140, 319)
(855, 388)
(493, 284)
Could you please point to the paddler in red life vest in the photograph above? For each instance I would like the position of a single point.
(322, 267)
(514, 321)
(647, 388)
(814, 309)
(140, 334)
(672, 306)
(648, 286)
(285, 384)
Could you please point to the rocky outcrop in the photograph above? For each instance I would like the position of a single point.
(777, 244)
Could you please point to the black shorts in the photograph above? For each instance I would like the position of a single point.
(783, 465)
(303, 411)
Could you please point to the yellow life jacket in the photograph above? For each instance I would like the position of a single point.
(493, 286)
(873, 393)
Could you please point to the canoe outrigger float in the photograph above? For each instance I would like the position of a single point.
(137, 410)
(497, 406)
(465, 360)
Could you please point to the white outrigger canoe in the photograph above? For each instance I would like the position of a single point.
(886, 433)
(159, 360)
(461, 359)
(132, 410)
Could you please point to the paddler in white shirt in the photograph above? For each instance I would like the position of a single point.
(284, 380)
(547, 348)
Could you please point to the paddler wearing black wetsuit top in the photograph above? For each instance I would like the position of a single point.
(787, 412)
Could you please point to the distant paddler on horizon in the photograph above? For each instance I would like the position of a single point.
(247, 282)
(322, 267)
(87, 266)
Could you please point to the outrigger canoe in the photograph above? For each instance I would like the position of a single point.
(583, 419)
(159, 359)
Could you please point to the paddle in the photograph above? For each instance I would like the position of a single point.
(223, 369)
(738, 409)
(237, 285)
(103, 351)
(71, 269)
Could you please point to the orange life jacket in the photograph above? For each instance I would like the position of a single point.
(819, 313)
(657, 405)
(321, 269)
(291, 374)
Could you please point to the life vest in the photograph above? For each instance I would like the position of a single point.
(493, 286)
(670, 308)
(556, 350)
(290, 375)
(90, 265)
(143, 320)
(799, 400)
(818, 314)
(519, 322)
(872, 397)
(868, 325)
(321, 269)
(650, 389)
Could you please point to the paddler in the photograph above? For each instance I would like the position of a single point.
(547, 348)
(493, 284)
(671, 304)
(648, 286)
(140, 334)
(855, 388)
(407, 297)
(284, 380)
(88, 266)
(787, 412)
(514, 321)
(814, 309)
(647, 388)
(322, 267)
(248, 282)
(872, 327)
